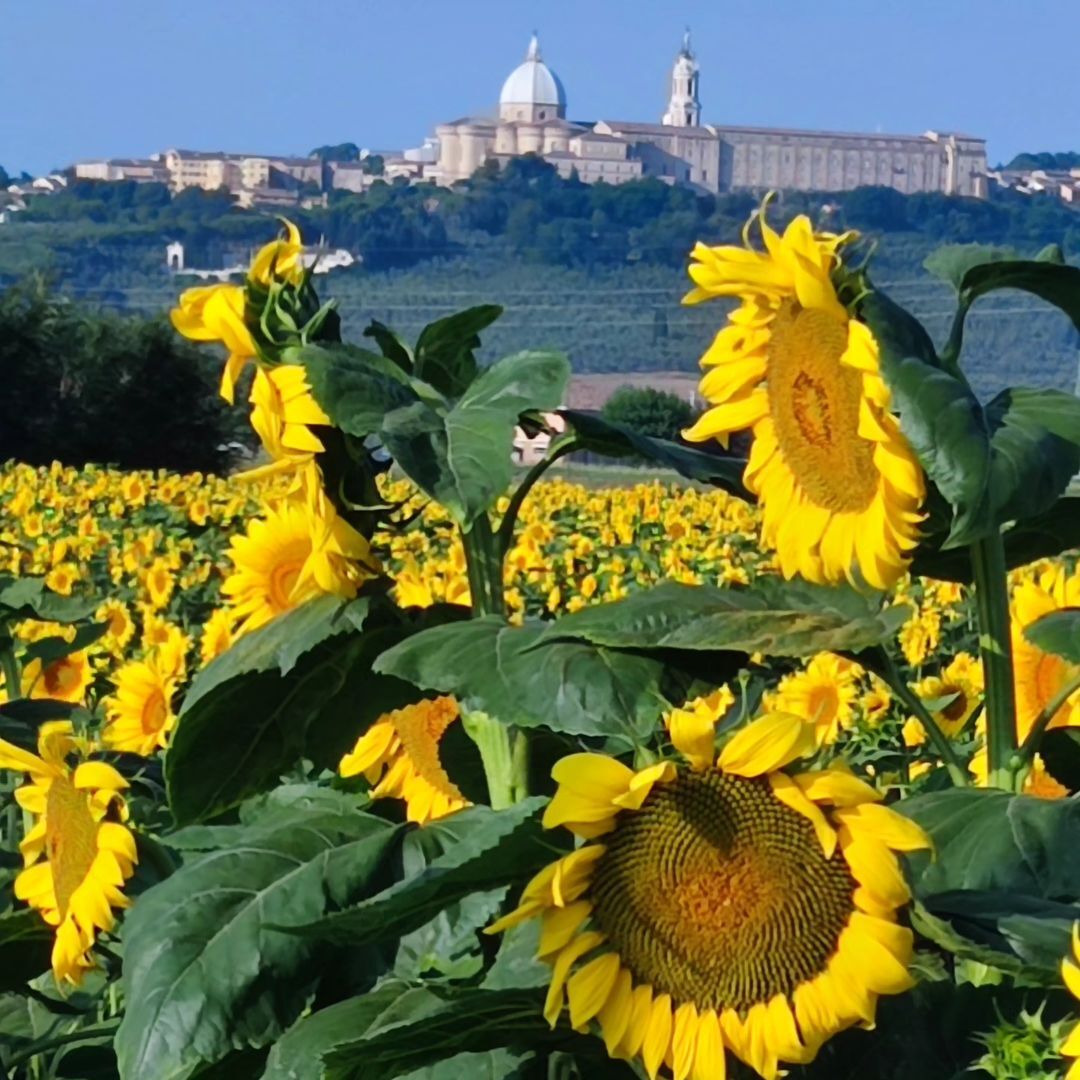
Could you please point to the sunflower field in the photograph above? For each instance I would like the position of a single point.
(387, 759)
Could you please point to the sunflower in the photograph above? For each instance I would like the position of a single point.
(298, 550)
(401, 751)
(1040, 676)
(140, 714)
(726, 907)
(1070, 974)
(65, 679)
(78, 854)
(839, 486)
(825, 693)
(282, 409)
(216, 313)
(121, 626)
(217, 635)
(958, 690)
(159, 583)
(280, 260)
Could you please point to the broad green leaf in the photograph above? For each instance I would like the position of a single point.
(25, 947)
(1058, 633)
(951, 262)
(445, 350)
(992, 840)
(515, 963)
(572, 687)
(773, 617)
(203, 971)
(602, 437)
(898, 333)
(390, 344)
(1050, 281)
(482, 849)
(297, 1055)
(427, 1025)
(34, 711)
(280, 643)
(50, 649)
(239, 736)
(1035, 450)
(355, 387)
(1048, 534)
(462, 458)
(28, 598)
(1060, 752)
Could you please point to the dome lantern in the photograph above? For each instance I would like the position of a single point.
(533, 91)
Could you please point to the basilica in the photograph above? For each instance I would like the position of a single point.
(680, 149)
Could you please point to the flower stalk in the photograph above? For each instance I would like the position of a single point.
(503, 764)
(995, 648)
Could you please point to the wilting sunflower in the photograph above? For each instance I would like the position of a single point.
(839, 486)
(401, 751)
(1070, 973)
(78, 854)
(825, 693)
(282, 409)
(1040, 676)
(216, 313)
(731, 906)
(140, 714)
(279, 260)
(298, 550)
(958, 690)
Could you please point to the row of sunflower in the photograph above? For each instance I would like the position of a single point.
(323, 727)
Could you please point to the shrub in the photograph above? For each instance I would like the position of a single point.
(651, 412)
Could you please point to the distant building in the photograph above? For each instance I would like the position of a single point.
(1063, 184)
(141, 170)
(532, 118)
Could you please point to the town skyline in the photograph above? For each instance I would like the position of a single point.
(398, 94)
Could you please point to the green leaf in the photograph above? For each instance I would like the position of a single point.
(203, 971)
(238, 737)
(356, 388)
(1035, 450)
(1050, 533)
(280, 643)
(777, 618)
(390, 344)
(1049, 280)
(951, 262)
(28, 598)
(462, 459)
(50, 649)
(993, 840)
(36, 711)
(576, 688)
(898, 333)
(482, 849)
(1058, 633)
(25, 948)
(1060, 752)
(445, 349)
(614, 440)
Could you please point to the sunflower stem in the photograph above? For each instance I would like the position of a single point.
(995, 647)
(500, 768)
(484, 565)
(505, 536)
(85, 1034)
(887, 669)
(950, 355)
(9, 665)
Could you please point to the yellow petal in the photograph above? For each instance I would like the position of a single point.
(657, 1035)
(875, 866)
(770, 742)
(684, 1040)
(709, 1061)
(96, 774)
(642, 783)
(636, 1026)
(589, 784)
(836, 786)
(560, 971)
(615, 1014)
(590, 987)
(791, 795)
(892, 829)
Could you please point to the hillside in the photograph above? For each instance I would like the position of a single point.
(596, 271)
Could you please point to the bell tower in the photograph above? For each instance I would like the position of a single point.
(684, 105)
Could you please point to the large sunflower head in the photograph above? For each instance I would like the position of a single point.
(726, 907)
(1039, 676)
(399, 754)
(79, 852)
(299, 549)
(839, 486)
(140, 713)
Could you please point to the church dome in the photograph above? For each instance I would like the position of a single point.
(533, 83)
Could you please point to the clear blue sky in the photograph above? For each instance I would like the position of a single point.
(91, 78)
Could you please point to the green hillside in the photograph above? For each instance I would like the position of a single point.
(597, 271)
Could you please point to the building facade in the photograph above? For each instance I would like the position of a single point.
(532, 118)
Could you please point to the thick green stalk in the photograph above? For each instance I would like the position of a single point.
(504, 537)
(493, 741)
(995, 647)
(9, 665)
(484, 564)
